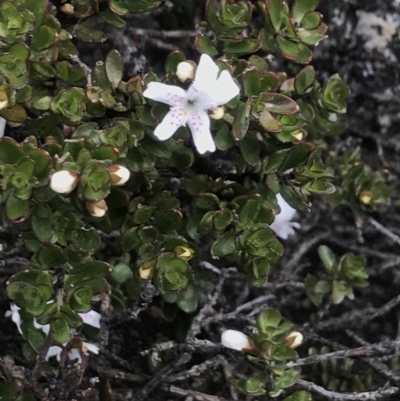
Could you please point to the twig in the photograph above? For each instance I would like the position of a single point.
(288, 270)
(143, 393)
(119, 374)
(384, 231)
(180, 392)
(332, 395)
(196, 325)
(359, 317)
(178, 34)
(191, 346)
(379, 349)
(87, 70)
(196, 370)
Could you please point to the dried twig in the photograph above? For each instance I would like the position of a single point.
(184, 393)
(380, 394)
(385, 231)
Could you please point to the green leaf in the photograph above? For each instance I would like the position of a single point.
(289, 49)
(250, 210)
(304, 79)
(222, 219)
(299, 396)
(278, 103)
(275, 12)
(250, 149)
(121, 7)
(60, 330)
(224, 139)
(10, 151)
(327, 256)
(268, 122)
(205, 45)
(206, 201)
(241, 121)
(268, 318)
(41, 223)
(244, 46)
(16, 210)
(50, 256)
(172, 61)
(114, 67)
(110, 18)
(302, 7)
(86, 34)
(188, 300)
(43, 38)
(225, 245)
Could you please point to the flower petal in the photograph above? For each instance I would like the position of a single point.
(199, 124)
(169, 94)
(173, 120)
(206, 73)
(2, 126)
(224, 89)
(54, 350)
(92, 318)
(92, 348)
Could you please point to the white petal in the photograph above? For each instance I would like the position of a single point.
(169, 94)
(54, 351)
(45, 328)
(2, 126)
(206, 73)
(236, 340)
(92, 318)
(174, 119)
(287, 212)
(199, 124)
(224, 89)
(75, 354)
(92, 348)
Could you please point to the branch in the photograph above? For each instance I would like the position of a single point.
(332, 395)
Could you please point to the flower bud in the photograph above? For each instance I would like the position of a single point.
(185, 71)
(64, 181)
(217, 113)
(236, 340)
(97, 209)
(294, 339)
(119, 175)
(366, 197)
(3, 99)
(145, 271)
(183, 252)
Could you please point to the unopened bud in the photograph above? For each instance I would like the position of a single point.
(119, 175)
(294, 339)
(298, 135)
(64, 181)
(217, 113)
(184, 253)
(145, 271)
(236, 340)
(185, 71)
(97, 209)
(366, 197)
(3, 99)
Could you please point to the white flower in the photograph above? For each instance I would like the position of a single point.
(15, 316)
(282, 224)
(73, 354)
(92, 318)
(208, 91)
(64, 181)
(236, 340)
(119, 175)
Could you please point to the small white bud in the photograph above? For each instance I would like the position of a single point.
(185, 71)
(294, 339)
(97, 209)
(236, 340)
(119, 175)
(3, 99)
(217, 113)
(64, 181)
